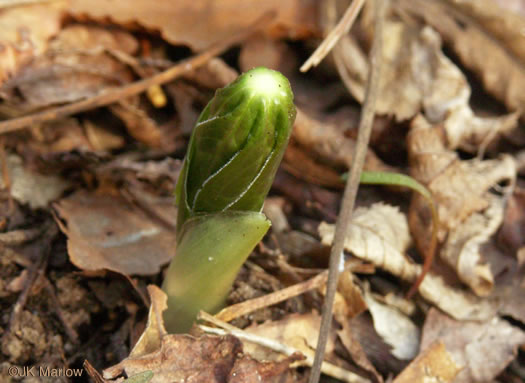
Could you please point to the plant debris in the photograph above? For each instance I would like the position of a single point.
(97, 104)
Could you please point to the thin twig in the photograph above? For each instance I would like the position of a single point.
(110, 96)
(333, 37)
(246, 307)
(234, 311)
(352, 184)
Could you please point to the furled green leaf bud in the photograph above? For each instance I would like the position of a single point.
(233, 154)
(236, 146)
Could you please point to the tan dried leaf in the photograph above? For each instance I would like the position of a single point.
(139, 125)
(512, 232)
(28, 186)
(488, 40)
(299, 331)
(151, 338)
(183, 358)
(199, 24)
(459, 188)
(434, 364)
(101, 139)
(270, 53)
(214, 74)
(328, 141)
(483, 348)
(418, 76)
(302, 165)
(24, 33)
(76, 66)
(380, 235)
(208, 359)
(63, 135)
(356, 351)
(106, 232)
(353, 300)
(394, 327)
(462, 250)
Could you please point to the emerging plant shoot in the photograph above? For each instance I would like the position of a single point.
(233, 155)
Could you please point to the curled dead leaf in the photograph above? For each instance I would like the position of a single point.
(488, 40)
(394, 327)
(380, 235)
(462, 249)
(459, 187)
(418, 77)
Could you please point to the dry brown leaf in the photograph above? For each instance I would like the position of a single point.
(106, 232)
(249, 370)
(377, 351)
(139, 125)
(198, 24)
(27, 186)
(462, 250)
(273, 209)
(380, 235)
(270, 53)
(488, 40)
(512, 232)
(301, 164)
(208, 359)
(354, 302)
(24, 33)
(64, 135)
(356, 351)
(76, 66)
(459, 188)
(151, 338)
(514, 6)
(183, 358)
(396, 329)
(399, 302)
(299, 331)
(434, 364)
(418, 76)
(483, 348)
(307, 197)
(214, 74)
(327, 140)
(513, 298)
(101, 139)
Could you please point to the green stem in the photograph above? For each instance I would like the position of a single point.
(212, 249)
